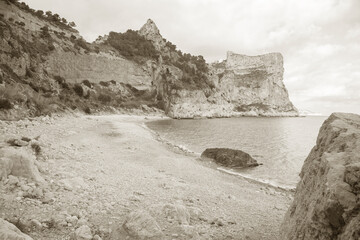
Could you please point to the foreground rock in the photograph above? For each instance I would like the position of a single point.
(18, 162)
(230, 157)
(9, 231)
(138, 225)
(326, 203)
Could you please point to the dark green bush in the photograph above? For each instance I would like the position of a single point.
(104, 98)
(78, 90)
(132, 46)
(104, 84)
(87, 110)
(87, 83)
(5, 104)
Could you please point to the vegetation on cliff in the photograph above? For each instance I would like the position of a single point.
(132, 46)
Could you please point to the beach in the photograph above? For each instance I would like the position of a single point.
(99, 169)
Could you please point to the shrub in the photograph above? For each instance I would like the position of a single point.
(104, 84)
(87, 83)
(5, 104)
(131, 45)
(87, 96)
(104, 98)
(87, 110)
(78, 90)
(45, 32)
(36, 147)
(59, 79)
(81, 43)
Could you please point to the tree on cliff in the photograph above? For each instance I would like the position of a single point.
(72, 24)
(48, 14)
(39, 13)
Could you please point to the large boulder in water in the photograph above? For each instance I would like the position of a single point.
(230, 157)
(327, 199)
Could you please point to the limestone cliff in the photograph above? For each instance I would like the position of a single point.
(243, 86)
(327, 198)
(41, 53)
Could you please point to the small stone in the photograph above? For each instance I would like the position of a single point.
(97, 237)
(83, 233)
(24, 187)
(36, 224)
(48, 197)
(13, 180)
(72, 219)
(38, 192)
(81, 222)
(18, 198)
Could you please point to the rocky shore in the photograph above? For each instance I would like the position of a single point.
(326, 202)
(107, 177)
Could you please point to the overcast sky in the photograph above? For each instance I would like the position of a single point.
(320, 40)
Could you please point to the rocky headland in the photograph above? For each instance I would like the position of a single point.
(46, 66)
(326, 203)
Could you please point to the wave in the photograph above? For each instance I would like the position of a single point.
(259, 180)
(175, 146)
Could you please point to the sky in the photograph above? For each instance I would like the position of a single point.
(320, 40)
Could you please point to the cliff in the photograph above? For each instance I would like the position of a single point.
(326, 203)
(54, 66)
(242, 86)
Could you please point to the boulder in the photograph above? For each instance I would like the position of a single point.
(9, 231)
(18, 162)
(230, 157)
(83, 233)
(138, 225)
(326, 202)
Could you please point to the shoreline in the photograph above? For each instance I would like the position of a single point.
(178, 148)
(102, 168)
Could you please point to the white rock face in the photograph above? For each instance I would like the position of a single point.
(326, 203)
(151, 32)
(244, 86)
(8, 231)
(96, 68)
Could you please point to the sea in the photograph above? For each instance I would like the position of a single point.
(280, 144)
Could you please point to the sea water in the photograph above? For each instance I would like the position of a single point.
(280, 144)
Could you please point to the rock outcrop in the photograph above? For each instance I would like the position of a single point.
(327, 198)
(9, 231)
(138, 225)
(18, 162)
(230, 157)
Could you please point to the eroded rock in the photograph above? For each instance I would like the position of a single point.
(138, 225)
(230, 157)
(18, 162)
(326, 203)
(9, 231)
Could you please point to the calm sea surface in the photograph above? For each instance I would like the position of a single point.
(281, 144)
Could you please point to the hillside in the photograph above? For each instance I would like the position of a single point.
(46, 66)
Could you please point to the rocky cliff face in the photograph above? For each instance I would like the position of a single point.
(243, 86)
(51, 58)
(327, 199)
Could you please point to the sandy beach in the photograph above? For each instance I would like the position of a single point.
(99, 169)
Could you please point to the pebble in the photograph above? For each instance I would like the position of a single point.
(83, 233)
(36, 224)
(13, 180)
